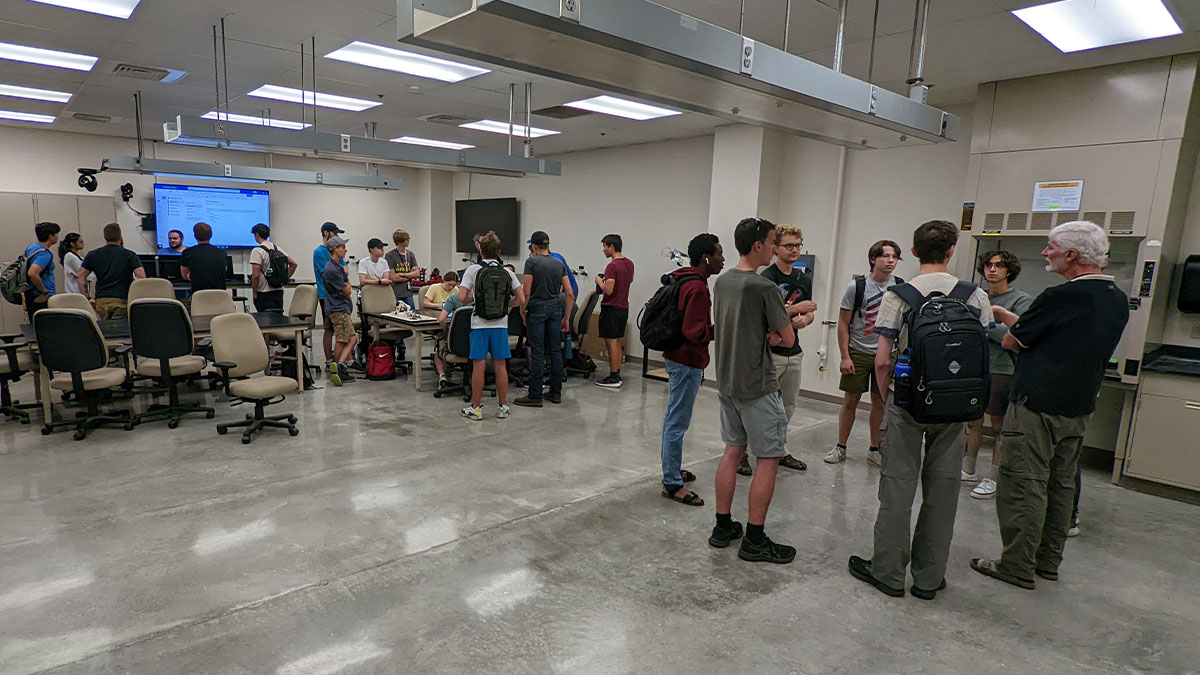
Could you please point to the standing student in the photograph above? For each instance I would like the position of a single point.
(494, 290)
(750, 319)
(203, 265)
(39, 268)
(546, 278)
(858, 343)
(174, 244)
(374, 271)
(70, 254)
(614, 308)
(685, 364)
(1000, 269)
(320, 259)
(115, 267)
(914, 450)
(337, 303)
(1063, 343)
(402, 266)
(267, 298)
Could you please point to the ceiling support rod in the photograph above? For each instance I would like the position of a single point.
(225, 67)
(512, 104)
(303, 86)
(137, 119)
(216, 72)
(787, 24)
(742, 19)
(839, 44)
(314, 80)
(917, 89)
(528, 120)
(874, 33)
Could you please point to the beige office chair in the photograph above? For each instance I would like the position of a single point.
(151, 288)
(72, 301)
(381, 300)
(212, 302)
(303, 306)
(241, 353)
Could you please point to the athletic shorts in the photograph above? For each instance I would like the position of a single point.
(343, 327)
(758, 424)
(998, 399)
(612, 322)
(492, 341)
(863, 379)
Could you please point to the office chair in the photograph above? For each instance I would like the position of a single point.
(458, 337)
(151, 287)
(381, 300)
(15, 361)
(162, 339)
(72, 301)
(580, 323)
(212, 302)
(303, 306)
(516, 345)
(71, 344)
(240, 353)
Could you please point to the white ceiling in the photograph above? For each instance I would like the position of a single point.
(970, 41)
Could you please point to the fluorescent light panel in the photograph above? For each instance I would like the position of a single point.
(496, 127)
(15, 91)
(121, 9)
(619, 107)
(290, 95)
(26, 117)
(411, 63)
(413, 140)
(255, 120)
(1076, 25)
(47, 57)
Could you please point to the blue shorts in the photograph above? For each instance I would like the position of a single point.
(489, 340)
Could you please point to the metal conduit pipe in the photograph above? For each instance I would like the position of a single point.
(917, 89)
(512, 103)
(839, 44)
(831, 305)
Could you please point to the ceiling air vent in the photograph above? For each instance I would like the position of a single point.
(444, 118)
(992, 222)
(1041, 220)
(141, 72)
(1065, 217)
(89, 117)
(561, 112)
(1097, 217)
(1017, 221)
(1121, 222)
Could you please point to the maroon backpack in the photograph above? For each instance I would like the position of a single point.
(381, 361)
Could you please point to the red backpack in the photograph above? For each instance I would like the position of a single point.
(381, 361)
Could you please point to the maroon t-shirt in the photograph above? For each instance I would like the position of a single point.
(620, 269)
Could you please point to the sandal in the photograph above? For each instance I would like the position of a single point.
(988, 569)
(792, 463)
(688, 476)
(689, 499)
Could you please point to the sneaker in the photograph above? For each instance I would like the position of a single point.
(553, 398)
(873, 457)
(792, 463)
(927, 594)
(443, 383)
(503, 411)
(722, 537)
(744, 467)
(472, 412)
(766, 551)
(527, 402)
(985, 490)
(968, 477)
(836, 456)
(613, 381)
(860, 568)
(331, 367)
(1073, 531)
(344, 373)
(335, 376)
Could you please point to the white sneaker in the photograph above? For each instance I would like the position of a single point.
(503, 411)
(473, 413)
(968, 477)
(985, 490)
(873, 457)
(1073, 531)
(835, 456)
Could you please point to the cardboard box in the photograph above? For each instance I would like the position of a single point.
(593, 345)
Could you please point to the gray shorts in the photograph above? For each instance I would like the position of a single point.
(759, 424)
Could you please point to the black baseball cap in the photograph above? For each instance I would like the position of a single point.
(374, 242)
(539, 239)
(331, 227)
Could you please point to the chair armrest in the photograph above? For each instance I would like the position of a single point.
(12, 346)
(225, 367)
(204, 342)
(123, 349)
(303, 317)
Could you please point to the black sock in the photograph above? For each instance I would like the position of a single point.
(874, 448)
(616, 373)
(724, 521)
(841, 446)
(755, 533)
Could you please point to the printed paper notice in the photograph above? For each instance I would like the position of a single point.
(1058, 195)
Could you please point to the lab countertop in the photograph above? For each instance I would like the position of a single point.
(1172, 360)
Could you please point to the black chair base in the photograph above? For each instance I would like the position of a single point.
(258, 421)
(173, 413)
(17, 411)
(85, 421)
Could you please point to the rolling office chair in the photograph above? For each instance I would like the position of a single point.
(381, 300)
(151, 287)
(304, 307)
(162, 337)
(458, 341)
(15, 361)
(212, 302)
(72, 301)
(241, 352)
(579, 327)
(71, 344)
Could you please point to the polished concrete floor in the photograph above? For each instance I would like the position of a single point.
(392, 536)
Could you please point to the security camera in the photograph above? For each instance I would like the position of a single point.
(87, 179)
(126, 192)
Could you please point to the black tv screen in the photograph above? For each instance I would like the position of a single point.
(473, 216)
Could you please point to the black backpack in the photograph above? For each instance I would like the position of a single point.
(860, 291)
(660, 322)
(276, 271)
(493, 291)
(948, 357)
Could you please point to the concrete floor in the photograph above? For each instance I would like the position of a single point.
(392, 536)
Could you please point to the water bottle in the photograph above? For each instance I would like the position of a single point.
(902, 378)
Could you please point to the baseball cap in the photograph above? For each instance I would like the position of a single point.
(331, 227)
(539, 238)
(375, 242)
(335, 242)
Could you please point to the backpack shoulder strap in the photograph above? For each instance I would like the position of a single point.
(899, 280)
(962, 291)
(909, 294)
(860, 292)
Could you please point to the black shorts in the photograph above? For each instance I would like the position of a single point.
(612, 322)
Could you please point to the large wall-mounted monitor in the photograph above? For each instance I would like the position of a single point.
(231, 212)
(480, 215)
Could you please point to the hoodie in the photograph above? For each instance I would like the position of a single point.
(696, 303)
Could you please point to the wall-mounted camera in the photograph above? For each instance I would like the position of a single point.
(87, 179)
(126, 192)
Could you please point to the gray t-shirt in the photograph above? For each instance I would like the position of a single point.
(401, 262)
(862, 323)
(1003, 361)
(547, 275)
(335, 279)
(745, 308)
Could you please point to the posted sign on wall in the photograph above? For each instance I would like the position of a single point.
(1057, 195)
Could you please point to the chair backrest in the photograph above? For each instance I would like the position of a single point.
(236, 338)
(304, 303)
(160, 329)
(71, 301)
(212, 302)
(70, 340)
(584, 316)
(378, 299)
(460, 332)
(151, 287)
(516, 325)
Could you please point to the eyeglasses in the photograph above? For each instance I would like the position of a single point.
(994, 265)
(791, 247)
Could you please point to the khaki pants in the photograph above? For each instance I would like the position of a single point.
(1036, 489)
(111, 308)
(787, 376)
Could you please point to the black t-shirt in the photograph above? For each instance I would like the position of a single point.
(206, 263)
(1067, 337)
(114, 266)
(547, 273)
(793, 288)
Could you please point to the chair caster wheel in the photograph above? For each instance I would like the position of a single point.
(294, 431)
(46, 431)
(437, 394)
(292, 420)
(129, 426)
(79, 435)
(245, 440)
(210, 414)
(172, 424)
(222, 432)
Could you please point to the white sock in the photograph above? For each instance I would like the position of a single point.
(969, 464)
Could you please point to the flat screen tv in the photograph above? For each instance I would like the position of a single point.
(231, 212)
(480, 215)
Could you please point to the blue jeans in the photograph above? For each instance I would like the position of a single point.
(684, 385)
(543, 329)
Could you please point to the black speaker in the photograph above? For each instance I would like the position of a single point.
(1189, 288)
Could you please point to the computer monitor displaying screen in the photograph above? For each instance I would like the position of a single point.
(230, 212)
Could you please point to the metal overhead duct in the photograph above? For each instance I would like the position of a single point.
(250, 174)
(187, 130)
(647, 51)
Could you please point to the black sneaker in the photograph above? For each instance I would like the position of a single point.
(722, 536)
(613, 381)
(553, 398)
(766, 551)
(344, 373)
(861, 569)
(744, 467)
(927, 594)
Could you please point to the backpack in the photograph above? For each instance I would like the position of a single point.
(493, 291)
(660, 323)
(860, 291)
(381, 361)
(948, 356)
(276, 271)
(14, 281)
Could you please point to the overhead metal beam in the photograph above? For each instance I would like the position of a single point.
(233, 172)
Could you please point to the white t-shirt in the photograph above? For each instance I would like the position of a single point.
(468, 281)
(373, 270)
(72, 264)
(862, 323)
(259, 257)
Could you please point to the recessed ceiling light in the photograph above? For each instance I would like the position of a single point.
(254, 119)
(121, 9)
(26, 117)
(413, 140)
(495, 127)
(47, 57)
(420, 65)
(278, 93)
(35, 94)
(1076, 25)
(611, 105)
